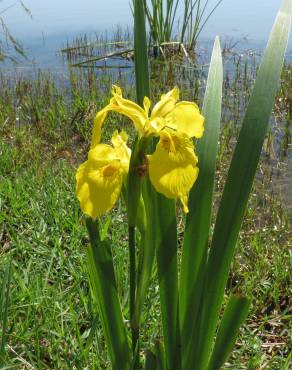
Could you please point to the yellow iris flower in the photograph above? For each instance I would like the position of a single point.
(100, 178)
(172, 167)
(167, 114)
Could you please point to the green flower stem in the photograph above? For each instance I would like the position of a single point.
(137, 164)
(134, 217)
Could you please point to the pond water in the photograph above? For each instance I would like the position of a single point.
(54, 22)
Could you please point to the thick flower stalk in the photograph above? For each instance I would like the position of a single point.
(172, 167)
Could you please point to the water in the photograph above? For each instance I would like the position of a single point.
(54, 22)
(237, 18)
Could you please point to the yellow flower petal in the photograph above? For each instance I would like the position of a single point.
(119, 138)
(166, 104)
(184, 201)
(128, 108)
(185, 117)
(98, 188)
(98, 121)
(100, 178)
(154, 126)
(122, 151)
(146, 104)
(173, 166)
(101, 155)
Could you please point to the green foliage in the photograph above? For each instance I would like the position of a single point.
(240, 178)
(104, 289)
(190, 321)
(162, 17)
(197, 233)
(51, 318)
(4, 303)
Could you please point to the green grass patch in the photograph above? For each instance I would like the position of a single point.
(45, 128)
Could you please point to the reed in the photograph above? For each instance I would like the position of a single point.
(10, 47)
(162, 18)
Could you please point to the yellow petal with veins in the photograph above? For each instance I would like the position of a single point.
(173, 166)
(185, 117)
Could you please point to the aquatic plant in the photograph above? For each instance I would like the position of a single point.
(161, 16)
(195, 335)
(7, 41)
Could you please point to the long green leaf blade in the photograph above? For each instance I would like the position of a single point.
(198, 220)
(102, 279)
(147, 246)
(4, 302)
(150, 361)
(166, 255)
(234, 315)
(240, 177)
(141, 54)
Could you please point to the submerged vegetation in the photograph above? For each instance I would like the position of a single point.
(48, 318)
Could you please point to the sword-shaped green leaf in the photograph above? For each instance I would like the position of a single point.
(166, 256)
(234, 315)
(103, 284)
(198, 220)
(141, 54)
(240, 178)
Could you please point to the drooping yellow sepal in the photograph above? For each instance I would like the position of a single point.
(185, 117)
(173, 166)
(100, 179)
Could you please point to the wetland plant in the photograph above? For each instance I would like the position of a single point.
(162, 166)
(162, 16)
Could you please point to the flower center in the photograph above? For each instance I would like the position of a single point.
(109, 170)
(169, 143)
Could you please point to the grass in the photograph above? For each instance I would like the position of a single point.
(45, 125)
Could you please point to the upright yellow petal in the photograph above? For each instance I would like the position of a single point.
(122, 151)
(186, 117)
(146, 104)
(154, 126)
(128, 108)
(166, 104)
(98, 121)
(173, 166)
